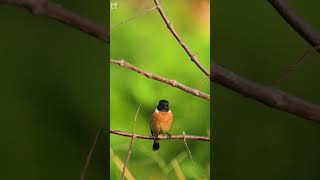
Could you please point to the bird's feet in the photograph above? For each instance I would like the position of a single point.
(168, 135)
(155, 136)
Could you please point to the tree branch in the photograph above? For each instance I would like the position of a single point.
(128, 157)
(179, 39)
(296, 22)
(160, 137)
(131, 144)
(120, 164)
(267, 95)
(173, 83)
(87, 162)
(55, 11)
(185, 142)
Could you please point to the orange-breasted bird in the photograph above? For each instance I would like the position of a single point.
(161, 121)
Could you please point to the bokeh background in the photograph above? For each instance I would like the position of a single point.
(52, 94)
(147, 43)
(252, 141)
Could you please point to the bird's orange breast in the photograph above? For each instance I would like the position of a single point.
(161, 122)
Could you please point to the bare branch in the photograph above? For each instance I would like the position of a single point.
(296, 22)
(173, 83)
(128, 157)
(179, 39)
(185, 142)
(55, 11)
(267, 95)
(86, 165)
(131, 143)
(294, 66)
(300, 26)
(160, 137)
(120, 164)
(133, 18)
(270, 96)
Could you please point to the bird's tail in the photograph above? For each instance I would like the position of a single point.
(156, 145)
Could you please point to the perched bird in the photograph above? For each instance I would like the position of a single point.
(161, 121)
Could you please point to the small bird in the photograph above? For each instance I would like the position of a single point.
(161, 121)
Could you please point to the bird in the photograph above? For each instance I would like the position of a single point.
(161, 121)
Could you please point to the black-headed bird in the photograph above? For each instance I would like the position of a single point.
(161, 121)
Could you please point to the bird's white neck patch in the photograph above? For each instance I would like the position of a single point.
(156, 110)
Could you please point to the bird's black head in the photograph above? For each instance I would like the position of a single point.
(163, 106)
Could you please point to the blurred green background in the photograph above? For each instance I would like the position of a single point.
(53, 94)
(252, 141)
(147, 43)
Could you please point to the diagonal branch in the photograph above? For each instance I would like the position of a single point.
(267, 95)
(179, 39)
(131, 144)
(86, 165)
(270, 96)
(297, 23)
(128, 157)
(160, 137)
(133, 18)
(185, 142)
(120, 164)
(55, 11)
(294, 66)
(173, 83)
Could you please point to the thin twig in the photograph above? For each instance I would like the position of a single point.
(131, 143)
(133, 18)
(86, 165)
(160, 137)
(267, 95)
(128, 157)
(115, 158)
(173, 83)
(135, 119)
(294, 66)
(179, 39)
(185, 142)
(57, 12)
